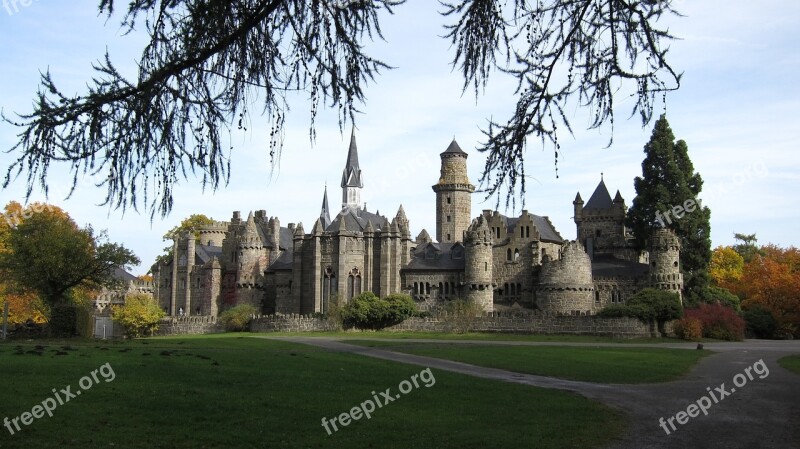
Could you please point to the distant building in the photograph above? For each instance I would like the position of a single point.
(498, 261)
(126, 284)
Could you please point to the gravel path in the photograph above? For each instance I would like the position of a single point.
(760, 413)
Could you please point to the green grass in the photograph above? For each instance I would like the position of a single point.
(791, 362)
(590, 364)
(227, 390)
(483, 336)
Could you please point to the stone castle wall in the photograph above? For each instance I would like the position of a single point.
(189, 325)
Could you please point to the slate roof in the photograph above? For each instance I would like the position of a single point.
(442, 260)
(283, 262)
(600, 199)
(122, 275)
(454, 148)
(546, 230)
(204, 253)
(355, 220)
(610, 266)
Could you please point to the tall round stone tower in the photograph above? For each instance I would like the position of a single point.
(665, 252)
(478, 264)
(453, 196)
(565, 284)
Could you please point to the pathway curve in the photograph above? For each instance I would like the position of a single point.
(763, 413)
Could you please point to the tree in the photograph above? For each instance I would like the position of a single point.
(667, 196)
(367, 311)
(748, 248)
(140, 315)
(208, 63)
(727, 266)
(49, 255)
(772, 282)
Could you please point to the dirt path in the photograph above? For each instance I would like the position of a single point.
(761, 413)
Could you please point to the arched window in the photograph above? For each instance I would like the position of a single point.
(328, 285)
(516, 254)
(508, 254)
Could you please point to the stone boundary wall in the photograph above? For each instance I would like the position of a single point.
(536, 324)
(491, 322)
(291, 323)
(189, 325)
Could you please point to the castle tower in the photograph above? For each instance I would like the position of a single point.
(565, 284)
(453, 196)
(665, 251)
(478, 268)
(251, 264)
(351, 178)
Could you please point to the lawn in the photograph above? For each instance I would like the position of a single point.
(231, 391)
(627, 364)
(485, 336)
(791, 362)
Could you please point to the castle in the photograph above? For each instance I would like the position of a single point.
(498, 261)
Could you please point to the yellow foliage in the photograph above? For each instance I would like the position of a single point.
(727, 266)
(139, 315)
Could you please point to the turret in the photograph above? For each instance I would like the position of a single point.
(453, 195)
(665, 251)
(478, 268)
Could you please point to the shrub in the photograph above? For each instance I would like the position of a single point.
(367, 311)
(236, 319)
(140, 315)
(688, 329)
(760, 322)
(63, 321)
(718, 321)
(460, 315)
(649, 305)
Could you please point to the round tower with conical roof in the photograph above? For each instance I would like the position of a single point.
(453, 196)
(478, 264)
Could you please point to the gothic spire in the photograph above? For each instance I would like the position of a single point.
(351, 177)
(324, 214)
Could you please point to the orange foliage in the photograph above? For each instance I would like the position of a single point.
(773, 281)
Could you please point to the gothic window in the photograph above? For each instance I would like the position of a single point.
(182, 261)
(328, 285)
(427, 288)
(527, 232)
(497, 230)
(508, 254)
(522, 231)
(597, 297)
(519, 289)
(516, 254)
(353, 283)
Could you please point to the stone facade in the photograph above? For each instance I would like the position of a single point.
(501, 262)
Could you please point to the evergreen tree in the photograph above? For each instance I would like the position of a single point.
(667, 196)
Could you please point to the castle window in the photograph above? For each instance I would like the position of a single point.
(448, 237)
(497, 230)
(519, 289)
(513, 291)
(675, 264)
(597, 233)
(516, 254)
(448, 200)
(448, 219)
(522, 231)
(486, 266)
(508, 254)
(597, 297)
(527, 231)
(427, 288)
(441, 290)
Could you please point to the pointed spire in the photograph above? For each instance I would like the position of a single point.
(318, 227)
(369, 229)
(324, 214)
(401, 214)
(423, 237)
(618, 198)
(578, 199)
(600, 199)
(351, 177)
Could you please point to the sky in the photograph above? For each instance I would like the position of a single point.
(738, 109)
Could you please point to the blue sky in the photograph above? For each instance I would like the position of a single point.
(738, 109)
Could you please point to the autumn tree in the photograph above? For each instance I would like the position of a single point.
(772, 281)
(139, 315)
(49, 255)
(727, 266)
(667, 196)
(207, 65)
